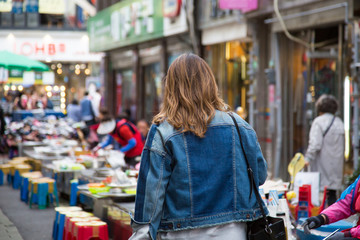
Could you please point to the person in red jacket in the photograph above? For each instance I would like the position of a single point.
(126, 134)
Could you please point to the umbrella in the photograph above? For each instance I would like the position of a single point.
(11, 60)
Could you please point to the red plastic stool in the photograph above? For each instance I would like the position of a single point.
(88, 230)
(70, 224)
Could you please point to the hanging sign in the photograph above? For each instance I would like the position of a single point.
(28, 78)
(5, 5)
(171, 8)
(15, 75)
(48, 78)
(243, 5)
(51, 6)
(3, 74)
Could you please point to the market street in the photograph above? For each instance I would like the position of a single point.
(32, 224)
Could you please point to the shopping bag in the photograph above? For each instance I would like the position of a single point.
(310, 178)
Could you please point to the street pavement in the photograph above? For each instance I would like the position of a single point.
(16, 217)
(8, 231)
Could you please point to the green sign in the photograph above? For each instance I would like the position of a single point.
(125, 23)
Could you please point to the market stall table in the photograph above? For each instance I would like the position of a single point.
(99, 202)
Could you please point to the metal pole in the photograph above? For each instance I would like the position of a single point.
(278, 106)
(355, 141)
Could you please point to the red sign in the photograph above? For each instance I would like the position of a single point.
(171, 8)
(31, 48)
(243, 5)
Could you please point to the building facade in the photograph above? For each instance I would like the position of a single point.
(274, 79)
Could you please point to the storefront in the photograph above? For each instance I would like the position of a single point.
(138, 50)
(66, 54)
(226, 47)
(303, 72)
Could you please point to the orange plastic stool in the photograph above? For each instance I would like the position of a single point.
(88, 230)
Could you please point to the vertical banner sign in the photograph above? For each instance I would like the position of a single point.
(17, 7)
(119, 93)
(51, 6)
(38, 78)
(32, 6)
(243, 5)
(48, 78)
(3, 74)
(5, 5)
(15, 76)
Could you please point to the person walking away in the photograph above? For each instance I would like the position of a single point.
(126, 134)
(346, 206)
(87, 112)
(325, 152)
(193, 181)
(74, 111)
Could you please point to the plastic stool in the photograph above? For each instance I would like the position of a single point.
(61, 222)
(70, 222)
(18, 170)
(73, 192)
(24, 189)
(4, 170)
(88, 230)
(57, 216)
(45, 189)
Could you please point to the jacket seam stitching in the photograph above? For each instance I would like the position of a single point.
(189, 174)
(234, 168)
(177, 132)
(158, 188)
(256, 210)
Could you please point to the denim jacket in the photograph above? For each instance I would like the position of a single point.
(198, 182)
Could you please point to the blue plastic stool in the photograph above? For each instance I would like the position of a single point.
(9, 179)
(42, 196)
(1, 178)
(73, 192)
(24, 190)
(17, 180)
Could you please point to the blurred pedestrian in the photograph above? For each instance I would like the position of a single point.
(143, 127)
(87, 111)
(74, 111)
(193, 181)
(95, 98)
(325, 152)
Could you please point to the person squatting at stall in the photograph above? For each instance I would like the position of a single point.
(126, 134)
(348, 204)
(193, 182)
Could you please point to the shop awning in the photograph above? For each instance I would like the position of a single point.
(221, 34)
(11, 60)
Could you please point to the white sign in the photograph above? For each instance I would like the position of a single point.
(5, 5)
(51, 6)
(49, 46)
(3, 74)
(28, 78)
(48, 78)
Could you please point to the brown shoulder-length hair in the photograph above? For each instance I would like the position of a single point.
(191, 95)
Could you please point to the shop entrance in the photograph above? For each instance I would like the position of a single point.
(153, 90)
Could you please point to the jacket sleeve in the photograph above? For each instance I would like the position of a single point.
(153, 178)
(355, 232)
(262, 164)
(339, 210)
(345, 205)
(315, 141)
